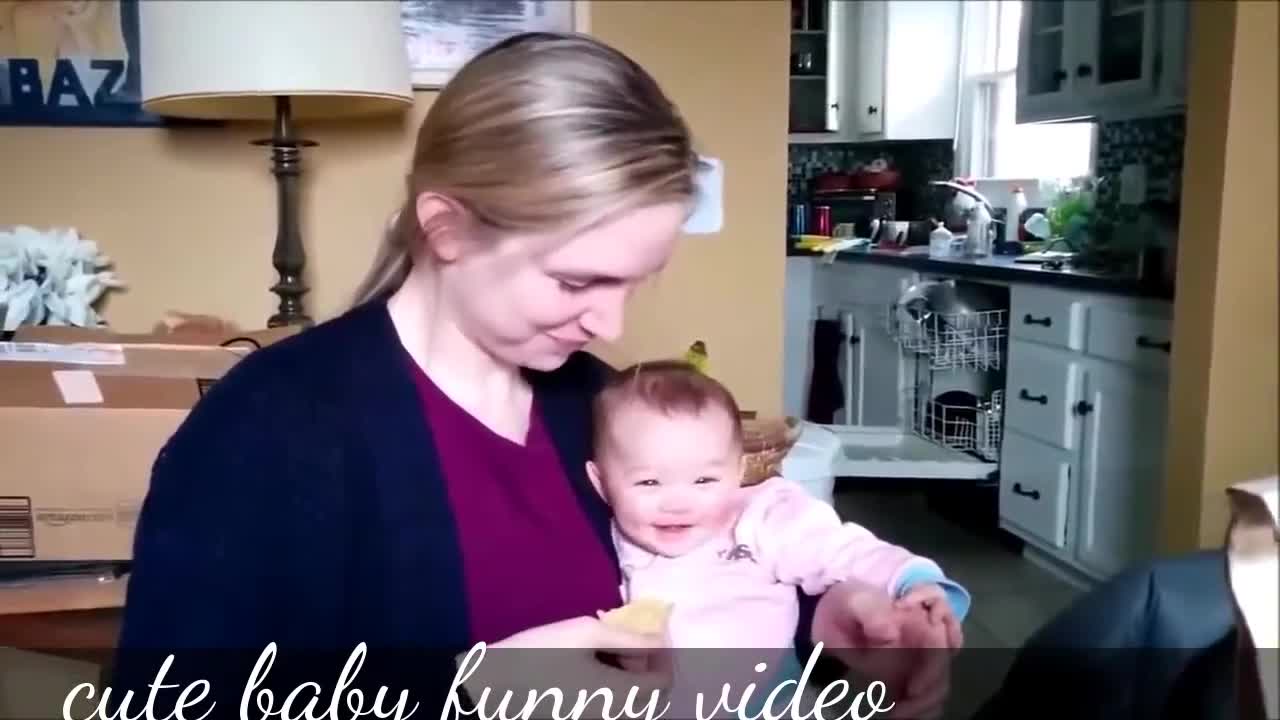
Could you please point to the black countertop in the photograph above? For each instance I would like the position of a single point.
(1003, 268)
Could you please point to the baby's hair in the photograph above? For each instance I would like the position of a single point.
(671, 387)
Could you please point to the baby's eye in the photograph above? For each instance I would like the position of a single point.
(647, 482)
(707, 480)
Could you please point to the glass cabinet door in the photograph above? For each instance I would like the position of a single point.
(1046, 47)
(1043, 51)
(1121, 48)
(812, 70)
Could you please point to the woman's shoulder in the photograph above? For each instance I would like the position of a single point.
(285, 387)
(315, 358)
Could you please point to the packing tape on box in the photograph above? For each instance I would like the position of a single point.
(74, 354)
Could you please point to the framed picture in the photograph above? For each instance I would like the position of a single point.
(442, 35)
(71, 62)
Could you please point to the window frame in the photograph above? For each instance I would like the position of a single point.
(975, 145)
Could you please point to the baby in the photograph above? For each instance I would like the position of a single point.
(668, 459)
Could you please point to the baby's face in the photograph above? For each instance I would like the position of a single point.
(673, 481)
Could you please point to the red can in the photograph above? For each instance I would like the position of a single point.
(822, 220)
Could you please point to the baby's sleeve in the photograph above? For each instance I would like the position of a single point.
(805, 543)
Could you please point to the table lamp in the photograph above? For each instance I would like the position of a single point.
(278, 61)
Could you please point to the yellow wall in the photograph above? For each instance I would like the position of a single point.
(1224, 401)
(190, 216)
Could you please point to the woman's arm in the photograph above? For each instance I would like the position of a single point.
(228, 554)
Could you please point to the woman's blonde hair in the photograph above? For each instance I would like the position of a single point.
(540, 132)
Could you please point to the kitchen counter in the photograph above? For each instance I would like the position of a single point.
(1002, 268)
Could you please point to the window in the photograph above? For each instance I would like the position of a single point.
(992, 143)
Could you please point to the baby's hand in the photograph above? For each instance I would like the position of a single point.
(932, 599)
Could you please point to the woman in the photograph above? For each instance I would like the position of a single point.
(410, 474)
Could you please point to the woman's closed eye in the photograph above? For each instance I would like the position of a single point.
(573, 286)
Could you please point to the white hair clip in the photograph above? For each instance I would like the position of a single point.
(707, 217)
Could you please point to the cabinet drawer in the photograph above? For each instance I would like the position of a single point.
(1047, 316)
(1041, 391)
(1035, 484)
(1131, 338)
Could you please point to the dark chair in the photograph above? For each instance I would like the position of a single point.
(1154, 642)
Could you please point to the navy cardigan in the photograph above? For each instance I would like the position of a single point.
(300, 503)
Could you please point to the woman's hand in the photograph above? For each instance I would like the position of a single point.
(569, 656)
(855, 616)
(861, 626)
(931, 598)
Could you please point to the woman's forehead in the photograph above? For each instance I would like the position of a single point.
(630, 246)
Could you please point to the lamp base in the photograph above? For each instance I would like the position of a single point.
(289, 257)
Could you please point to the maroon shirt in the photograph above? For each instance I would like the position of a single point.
(529, 553)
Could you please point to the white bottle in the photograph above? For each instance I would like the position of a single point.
(940, 242)
(1013, 223)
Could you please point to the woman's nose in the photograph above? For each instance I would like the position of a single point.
(604, 317)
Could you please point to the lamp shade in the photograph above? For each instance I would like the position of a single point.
(229, 59)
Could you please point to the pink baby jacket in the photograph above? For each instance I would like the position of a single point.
(739, 590)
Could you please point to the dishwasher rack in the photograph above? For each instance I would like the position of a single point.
(952, 341)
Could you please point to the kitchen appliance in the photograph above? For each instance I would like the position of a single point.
(858, 207)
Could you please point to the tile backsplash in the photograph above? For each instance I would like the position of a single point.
(1153, 142)
(918, 161)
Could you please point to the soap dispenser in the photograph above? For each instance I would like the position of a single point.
(940, 241)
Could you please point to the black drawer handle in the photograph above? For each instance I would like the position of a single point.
(1146, 342)
(1033, 494)
(1029, 319)
(1025, 395)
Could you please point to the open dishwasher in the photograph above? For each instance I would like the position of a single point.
(948, 339)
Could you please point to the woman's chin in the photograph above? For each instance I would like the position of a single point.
(545, 360)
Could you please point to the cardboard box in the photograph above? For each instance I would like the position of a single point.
(83, 414)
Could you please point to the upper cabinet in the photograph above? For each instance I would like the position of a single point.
(870, 70)
(1100, 58)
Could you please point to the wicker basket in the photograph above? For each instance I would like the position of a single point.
(765, 442)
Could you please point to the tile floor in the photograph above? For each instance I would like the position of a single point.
(1011, 596)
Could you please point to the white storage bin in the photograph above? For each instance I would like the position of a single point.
(811, 461)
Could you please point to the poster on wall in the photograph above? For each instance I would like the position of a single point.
(442, 35)
(71, 62)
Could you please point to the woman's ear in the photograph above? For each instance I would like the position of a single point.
(440, 222)
(593, 472)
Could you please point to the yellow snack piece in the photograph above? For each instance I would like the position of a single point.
(646, 616)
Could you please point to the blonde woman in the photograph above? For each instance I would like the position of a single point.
(410, 474)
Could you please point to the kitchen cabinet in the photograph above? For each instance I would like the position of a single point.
(1082, 463)
(1121, 468)
(1100, 58)
(874, 372)
(890, 73)
(870, 365)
